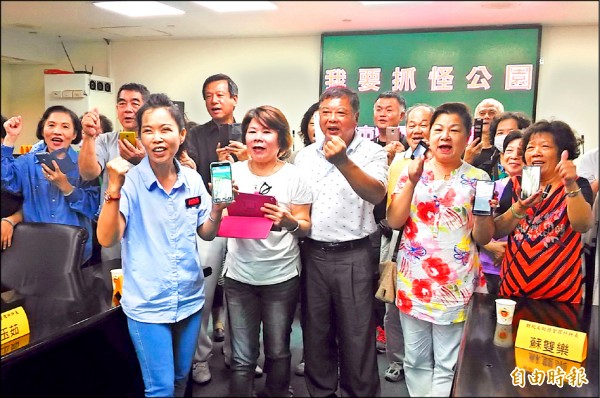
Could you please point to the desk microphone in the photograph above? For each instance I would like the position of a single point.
(546, 191)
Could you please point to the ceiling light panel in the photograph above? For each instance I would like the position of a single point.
(139, 8)
(237, 6)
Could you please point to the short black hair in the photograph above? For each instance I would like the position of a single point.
(233, 88)
(340, 92)
(522, 122)
(561, 132)
(513, 135)
(305, 121)
(455, 108)
(39, 132)
(160, 100)
(140, 88)
(393, 94)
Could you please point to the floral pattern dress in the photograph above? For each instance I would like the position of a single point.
(438, 263)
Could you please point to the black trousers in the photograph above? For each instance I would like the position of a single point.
(339, 323)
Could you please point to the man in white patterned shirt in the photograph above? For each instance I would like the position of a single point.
(348, 175)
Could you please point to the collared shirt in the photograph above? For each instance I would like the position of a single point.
(202, 148)
(107, 149)
(162, 275)
(338, 214)
(438, 261)
(43, 201)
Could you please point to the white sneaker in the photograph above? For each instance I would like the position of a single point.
(201, 373)
(299, 369)
(394, 372)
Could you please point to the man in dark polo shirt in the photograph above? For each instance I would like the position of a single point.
(220, 95)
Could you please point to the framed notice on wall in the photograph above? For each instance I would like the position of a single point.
(459, 65)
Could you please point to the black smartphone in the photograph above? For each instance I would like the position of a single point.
(60, 156)
(222, 184)
(477, 128)
(530, 181)
(420, 150)
(484, 192)
(235, 131)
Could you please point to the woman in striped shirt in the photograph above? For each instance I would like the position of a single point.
(543, 256)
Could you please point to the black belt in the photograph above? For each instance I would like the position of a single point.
(337, 246)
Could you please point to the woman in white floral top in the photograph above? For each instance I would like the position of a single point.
(438, 262)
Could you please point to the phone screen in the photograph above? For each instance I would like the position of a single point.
(484, 192)
(392, 133)
(530, 181)
(478, 128)
(420, 150)
(222, 186)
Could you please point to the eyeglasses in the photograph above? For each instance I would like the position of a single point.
(264, 188)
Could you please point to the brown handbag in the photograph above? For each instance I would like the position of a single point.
(386, 291)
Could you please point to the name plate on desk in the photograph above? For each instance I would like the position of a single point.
(14, 324)
(551, 340)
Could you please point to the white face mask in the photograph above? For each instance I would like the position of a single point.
(499, 141)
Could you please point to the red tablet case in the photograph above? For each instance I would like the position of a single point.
(244, 218)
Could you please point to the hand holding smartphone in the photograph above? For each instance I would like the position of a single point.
(60, 156)
(419, 150)
(530, 181)
(484, 192)
(478, 128)
(222, 182)
(392, 133)
(128, 135)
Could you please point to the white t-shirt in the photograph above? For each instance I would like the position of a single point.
(275, 259)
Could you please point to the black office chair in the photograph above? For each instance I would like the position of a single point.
(44, 249)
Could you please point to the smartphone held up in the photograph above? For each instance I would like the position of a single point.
(484, 192)
(222, 182)
(478, 128)
(419, 150)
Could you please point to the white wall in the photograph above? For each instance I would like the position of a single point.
(284, 72)
(568, 84)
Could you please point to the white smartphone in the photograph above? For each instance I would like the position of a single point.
(530, 181)
(222, 184)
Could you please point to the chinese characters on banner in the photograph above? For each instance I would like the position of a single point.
(441, 78)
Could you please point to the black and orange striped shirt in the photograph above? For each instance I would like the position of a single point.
(544, 254)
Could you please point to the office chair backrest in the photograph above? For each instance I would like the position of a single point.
(44, 249)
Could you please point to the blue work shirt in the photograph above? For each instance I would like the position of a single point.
(162, 275)
(43, 201)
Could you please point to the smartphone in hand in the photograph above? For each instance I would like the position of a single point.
(478, 128)
(484, 192)
(392, 133)
(128, 135)
(222, 182)
(530, 181)
(420, 150)
(61, 157)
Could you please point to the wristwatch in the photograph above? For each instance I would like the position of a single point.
(108, 197)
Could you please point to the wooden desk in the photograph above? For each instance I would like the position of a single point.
(78, 344)
(483, 368)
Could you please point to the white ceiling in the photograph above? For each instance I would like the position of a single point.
(81, 21)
